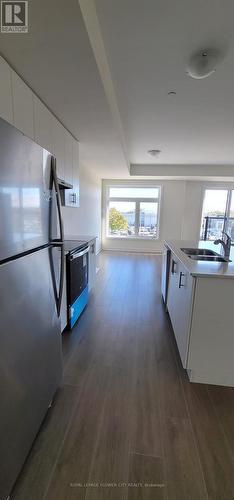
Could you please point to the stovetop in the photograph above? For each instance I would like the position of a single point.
(72, 245)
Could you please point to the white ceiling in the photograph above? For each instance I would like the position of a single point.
(148, 43)
(145, 48)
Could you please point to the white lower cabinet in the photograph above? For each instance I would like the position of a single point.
(180, 298)
(201, 312)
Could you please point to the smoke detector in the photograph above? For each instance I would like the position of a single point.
(154, 152)
(203, 63)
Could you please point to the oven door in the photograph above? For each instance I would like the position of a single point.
(77, 284)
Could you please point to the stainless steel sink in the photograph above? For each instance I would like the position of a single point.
(203, 254)
(199, 251)
(208, 258)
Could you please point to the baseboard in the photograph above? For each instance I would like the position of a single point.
(155, 252)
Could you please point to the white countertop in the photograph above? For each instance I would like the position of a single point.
(202, 268)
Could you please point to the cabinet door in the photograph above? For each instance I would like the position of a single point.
(173, 286)
(185, 300)
(58, 146)
(68, 164)
(6, 111)
(43, 124)
(72, 196)
(22, 106)
(76, 180)
(180, 298)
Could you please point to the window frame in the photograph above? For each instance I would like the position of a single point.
(137, 201)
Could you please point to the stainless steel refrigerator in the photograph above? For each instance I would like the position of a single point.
(31, 282)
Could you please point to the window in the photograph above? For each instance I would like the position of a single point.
(133, 212)
(217, 214)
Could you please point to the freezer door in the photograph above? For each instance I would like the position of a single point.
(25, 195)
(30, 358)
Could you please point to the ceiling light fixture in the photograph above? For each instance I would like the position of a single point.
(154, 152)
(203, 63)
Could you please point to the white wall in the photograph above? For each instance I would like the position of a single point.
(85, 220)
(170, 223)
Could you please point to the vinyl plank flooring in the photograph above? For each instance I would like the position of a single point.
(172, 400)
(110, 458)
(77, 365)
(215, 455)
(36, 474)
(146, 429)
(146, 481)
(71, 472)
(184, 477)
(109, 466)
(223, 402)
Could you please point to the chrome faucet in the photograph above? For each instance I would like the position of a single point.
(225, 244)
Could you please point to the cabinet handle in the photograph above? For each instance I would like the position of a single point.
(173, 267)
(180, 281)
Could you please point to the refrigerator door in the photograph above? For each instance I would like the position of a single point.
(30, 358)
(25, 194)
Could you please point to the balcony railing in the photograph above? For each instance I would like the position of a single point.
(213, 226)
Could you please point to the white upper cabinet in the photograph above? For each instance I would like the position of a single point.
(72, 198)
(22, 106)
(75, 161)
(58, 146)
(43, 124)
(68, 165)
(23, 109)
(76, 180)
(6, 111)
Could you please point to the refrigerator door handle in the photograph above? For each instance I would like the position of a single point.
(58, 203)
(61, 280)
(57, 288)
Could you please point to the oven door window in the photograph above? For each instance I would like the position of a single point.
(77, 276)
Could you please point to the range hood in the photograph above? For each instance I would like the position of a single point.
(63, 184)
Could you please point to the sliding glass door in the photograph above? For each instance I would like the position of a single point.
(217, 214)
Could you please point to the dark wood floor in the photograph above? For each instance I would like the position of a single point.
(127, 424)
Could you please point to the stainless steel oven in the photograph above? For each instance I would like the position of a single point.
(77, 279)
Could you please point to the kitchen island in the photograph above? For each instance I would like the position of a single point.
(200, 303)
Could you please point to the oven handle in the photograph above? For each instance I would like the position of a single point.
(79, 254)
